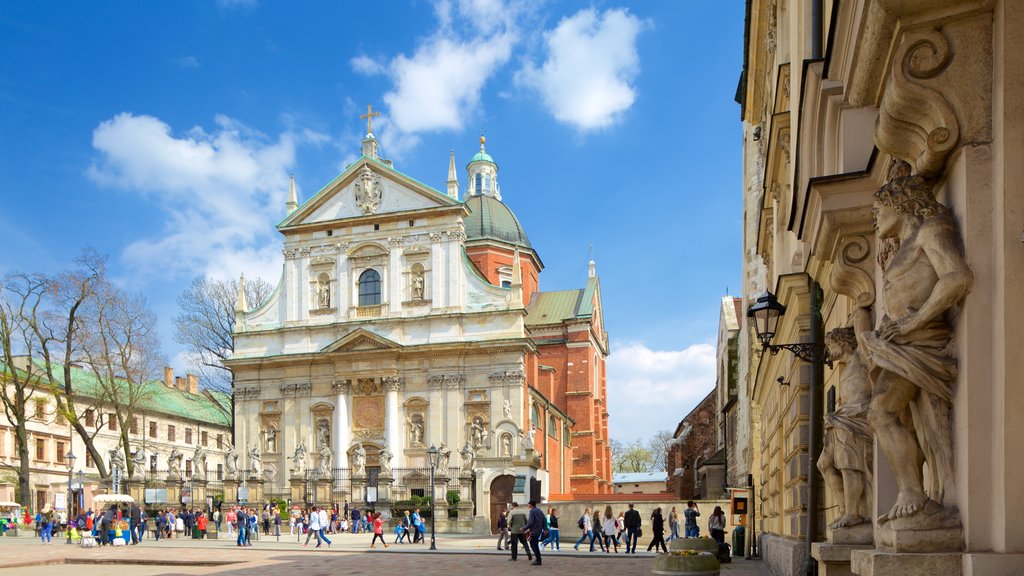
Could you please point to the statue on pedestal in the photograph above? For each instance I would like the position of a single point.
(298, 467)
(325, 461)
(231, 462)
(846, 455)
(468, 457)
(478, 432)
(174, 462)
(255, 462)
(199, 463)
(444, 456)
(384, 457)
(138, 462)
(924, 275)
(359, 461)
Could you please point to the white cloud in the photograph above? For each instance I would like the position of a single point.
(651, 390)
(186, 62)
(221, 192)
(586, 80)
(365, 65)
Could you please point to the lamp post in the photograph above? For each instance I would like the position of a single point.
(69, 461)
(432, 453)
(766, 312)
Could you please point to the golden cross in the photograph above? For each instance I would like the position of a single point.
(369, 116)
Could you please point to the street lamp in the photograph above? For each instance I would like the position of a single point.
(69, 461)
(766, 312)
(432, 453)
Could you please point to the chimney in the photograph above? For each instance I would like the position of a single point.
(193, 383)
(169, 377)
(179, 382)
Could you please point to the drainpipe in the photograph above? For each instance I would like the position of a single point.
(817, 385)
(817, 28)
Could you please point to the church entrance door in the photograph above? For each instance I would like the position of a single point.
(501, 496)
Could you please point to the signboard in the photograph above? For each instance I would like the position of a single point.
(243, 493)
(520, 486)
(155, 495)
(186, 495)
(61, 501)
(739, 503)
(371, 493)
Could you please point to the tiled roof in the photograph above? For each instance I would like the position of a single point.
(637, 477)
(557, 307)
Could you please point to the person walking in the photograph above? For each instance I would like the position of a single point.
(378, 531)
(355, 520)
(314, 528)
(322, 514)
(161, 524)
(585, 524)
(417, 523)
(673, 524)
(135, 523)
(231, 519)
(553, 538)
(277, 524)
(608, 526)
(691, 513)
(243, 524)
(503, 540)
(535, 523)
(716, 525)
(658, 528)
(201, 523)
(517, 520)
(633, 521)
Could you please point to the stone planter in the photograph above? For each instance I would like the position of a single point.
(699, 565)
(698, 544)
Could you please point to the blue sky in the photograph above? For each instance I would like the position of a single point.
(163, 135)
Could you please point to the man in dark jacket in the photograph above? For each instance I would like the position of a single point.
(632, 520)
(534, 526)
(135, 522)
(243, 526)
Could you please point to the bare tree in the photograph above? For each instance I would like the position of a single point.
(633, 457)
(659, 445)
(21, 297)
(206, 324)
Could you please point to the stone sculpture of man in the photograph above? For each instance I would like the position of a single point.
(417, 286)
(923, 277)
(174, 461)
(846, 455)
(299, 460)
(199, 462)
(468, 457)
(117, 461)
(323, 293)
(231, 462)
(384, 457)
(325, 461)
(506, 446)
(479, 432)
(255, 462)
(415, 430)
(359, 461)
(507, 408)
(444, 456)
(138, 462)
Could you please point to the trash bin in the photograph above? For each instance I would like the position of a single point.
(738, 535)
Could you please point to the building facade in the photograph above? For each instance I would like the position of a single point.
(881, 207)
(178, 440)
(695, 459)
(407, 319)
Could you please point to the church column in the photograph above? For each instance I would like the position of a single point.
(342, 298)
(455, 265)
(396, 275)
(437, 267)
(392, 429)
(436, 412)
(342, 429)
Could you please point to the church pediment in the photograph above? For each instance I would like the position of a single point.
(367, 188)
(361, 340)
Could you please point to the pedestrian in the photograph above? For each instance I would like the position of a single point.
(608, 527)
(552, 539)
(658, 528)
(417, 524)
(716, 525)
(620, 526)
(691, 513)
(403, 529)
(217, 518)
(587, 527)
(378, 531)
(534, 528)
(322, 513)
(355, 520)
(673, 524)
(242, 526)
(517, 520)
(503, 531)
(633, 521)
(277, 524)
(231, 520)
(201, 523)
(135, 523)
(314, 528)
(160, 522)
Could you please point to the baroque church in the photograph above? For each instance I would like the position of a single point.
(408, 318)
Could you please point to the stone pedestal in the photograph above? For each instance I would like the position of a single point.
(137, 490)
(230, 492)
(440, 496)
(901, 535)
(255, 490)
(834, 559)
(323, 492)
(198, 492)
(880, 563)
(358, 495)
(297, 490)
(384, 484)
(173, 483)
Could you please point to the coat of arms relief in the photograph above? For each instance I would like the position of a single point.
(368, 191)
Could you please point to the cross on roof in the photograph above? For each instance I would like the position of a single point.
(369, 116)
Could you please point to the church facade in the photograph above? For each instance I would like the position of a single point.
(405, 319)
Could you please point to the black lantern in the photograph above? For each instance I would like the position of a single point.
(766, 312)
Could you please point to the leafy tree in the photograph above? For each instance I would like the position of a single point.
(659, 445)
(633, 457)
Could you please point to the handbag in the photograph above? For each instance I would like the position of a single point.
(639, 533)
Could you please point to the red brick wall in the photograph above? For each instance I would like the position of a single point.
(701, 442)
(489, 258)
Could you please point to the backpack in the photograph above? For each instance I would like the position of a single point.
(581, 524)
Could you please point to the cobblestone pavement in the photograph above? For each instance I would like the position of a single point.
(348, 555)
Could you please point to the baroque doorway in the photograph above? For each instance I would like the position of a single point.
(501, 496)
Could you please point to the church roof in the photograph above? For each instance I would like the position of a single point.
(490, 219)
(481, 157)
(560, 306)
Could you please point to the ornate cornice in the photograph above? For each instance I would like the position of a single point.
(394, 383)
(507, 378)
(342, 386)
(248, 393)
(449, 381)
(296, 389)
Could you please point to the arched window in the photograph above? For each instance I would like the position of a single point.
(552, 427)
(535, 416)
(369, 288)
(479, 188)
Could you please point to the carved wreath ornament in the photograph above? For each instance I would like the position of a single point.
(368, 191)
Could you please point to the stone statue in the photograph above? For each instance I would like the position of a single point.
(174, 462)
(846, 454)
(199, 462)
(298, 467)
(444, 456)
(325, 461)
(508, 408)
(478, 432)
(468, 457)
(384, 457)
(255, 462)
(528, 438)
(271, 436)
(506, 445)
(323, 293)
(323, 433)
(417, 285)
(415, 423)
(231, 462)
(923, 276)
(117, 462)
(359, 461)
(138, 462)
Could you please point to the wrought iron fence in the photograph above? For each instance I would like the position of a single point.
(406, 487)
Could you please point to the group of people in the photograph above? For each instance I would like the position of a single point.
(526, 527)
(716, 523)
(606, 530)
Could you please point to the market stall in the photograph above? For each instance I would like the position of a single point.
(120, 528)
(10, 513)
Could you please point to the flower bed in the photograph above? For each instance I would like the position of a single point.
(685, 563)
(700, 544)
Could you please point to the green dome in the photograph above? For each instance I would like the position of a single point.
(481, 157)
(490, 219)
